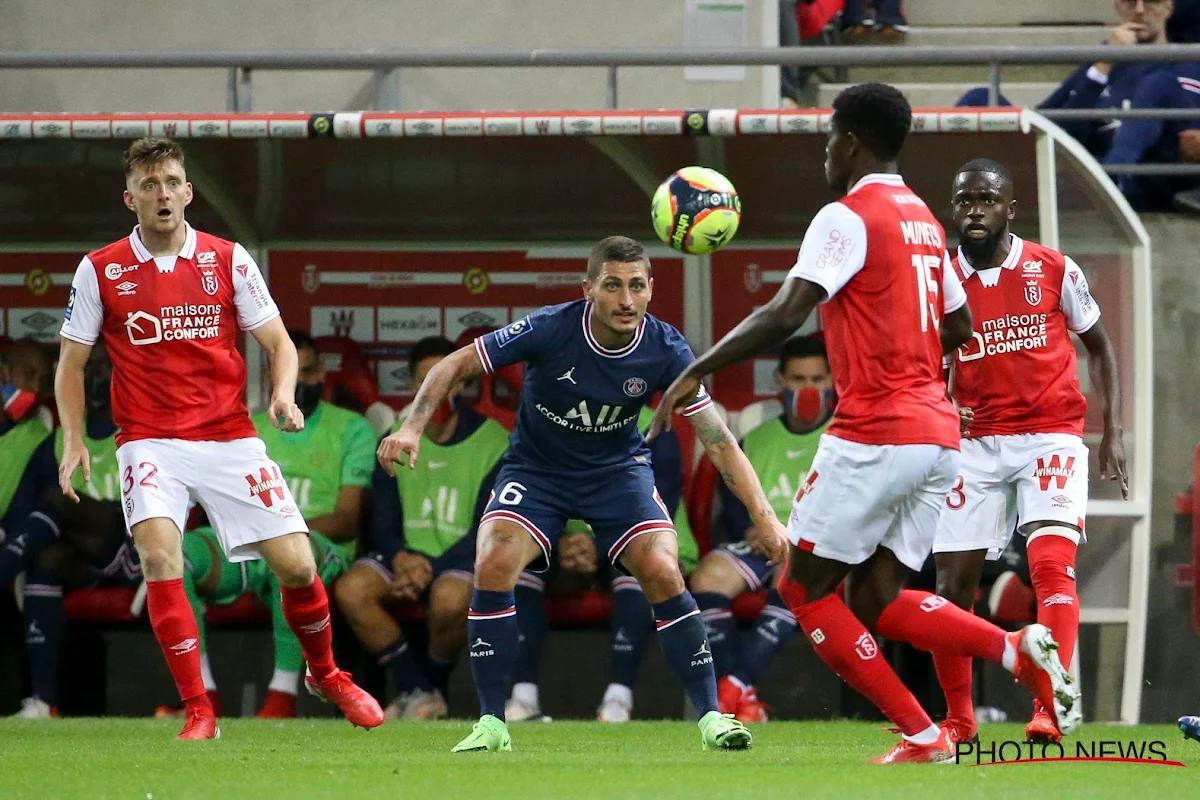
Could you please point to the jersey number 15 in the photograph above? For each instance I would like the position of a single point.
(927, 289)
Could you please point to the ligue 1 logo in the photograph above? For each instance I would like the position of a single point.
(635, 387)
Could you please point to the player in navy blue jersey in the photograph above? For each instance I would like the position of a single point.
(576, 453)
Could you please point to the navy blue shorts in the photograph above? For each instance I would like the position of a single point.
(751, 565)
(620, 505)
(458, 561)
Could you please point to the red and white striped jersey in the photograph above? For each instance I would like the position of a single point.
(170, 325)
(880, 255)
(1018, 372)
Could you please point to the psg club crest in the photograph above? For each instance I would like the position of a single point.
(635, 387)
(1033, 293)
(209, 282)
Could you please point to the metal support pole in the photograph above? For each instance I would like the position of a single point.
(237, 89)
(387, 93)
(612, 87)
(994, 83)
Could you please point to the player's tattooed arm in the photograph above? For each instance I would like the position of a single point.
(405, 444)
(461, 365)
(738, 474)
(1102, 368)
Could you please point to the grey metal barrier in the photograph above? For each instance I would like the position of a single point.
(242, 63)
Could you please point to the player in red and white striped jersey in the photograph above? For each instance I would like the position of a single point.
(1024, 465)
(868, 510)
(168, 301)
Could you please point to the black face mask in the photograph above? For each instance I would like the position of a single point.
(96, 392)
(308, 395)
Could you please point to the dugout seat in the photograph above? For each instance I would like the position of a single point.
(349, 381)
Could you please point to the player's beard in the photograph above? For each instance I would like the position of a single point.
(980, 251)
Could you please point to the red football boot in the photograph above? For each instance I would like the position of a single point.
(906, 752)
(1039, 669)
(1041, 728)
(338, 688)
(751, 710)
(729, 695)
(277, 705)
(201, 724)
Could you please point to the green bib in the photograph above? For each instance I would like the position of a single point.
(313, 460)
(105, 483)
(782, 460)
(17, 446)
(438, 497)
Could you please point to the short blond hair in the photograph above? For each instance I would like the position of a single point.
(150, 152)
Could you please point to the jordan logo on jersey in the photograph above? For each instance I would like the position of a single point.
(265, 484)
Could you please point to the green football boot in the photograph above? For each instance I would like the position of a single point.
(722, 732)
(489, 734)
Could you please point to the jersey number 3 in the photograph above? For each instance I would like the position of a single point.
(927, 289)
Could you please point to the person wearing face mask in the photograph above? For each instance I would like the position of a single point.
(781, 451)
(24, 370)
(423, 526)
(61, 545)
(327, 465)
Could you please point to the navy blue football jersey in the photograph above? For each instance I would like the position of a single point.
(579, 401)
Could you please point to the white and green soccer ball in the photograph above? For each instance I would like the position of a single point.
(696, 210)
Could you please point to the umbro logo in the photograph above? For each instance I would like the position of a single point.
(184, 647)
(316, 627)
(1059, 599)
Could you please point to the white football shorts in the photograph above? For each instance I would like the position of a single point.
(858, 497)
(1006, 482)
(242, 490)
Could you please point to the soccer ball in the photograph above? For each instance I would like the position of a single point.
(696, 210)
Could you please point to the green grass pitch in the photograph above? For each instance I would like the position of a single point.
(106, 759)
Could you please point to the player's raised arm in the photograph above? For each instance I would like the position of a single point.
(738, 474)
(285, 365)
(69, 396)
(463, 364)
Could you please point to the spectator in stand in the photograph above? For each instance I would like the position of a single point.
(800, 22)
(870, 20)
(1128, 85)
(1158, 141)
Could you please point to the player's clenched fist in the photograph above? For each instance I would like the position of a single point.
(394, 449)
(286, 415)
(75, 455)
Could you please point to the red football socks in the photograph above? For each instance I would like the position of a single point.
(933, 623)
(307, 612)
(175, 628)
(954, 675)
(843, 643)
(1052, 570)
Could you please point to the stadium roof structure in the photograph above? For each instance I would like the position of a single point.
(413, 177)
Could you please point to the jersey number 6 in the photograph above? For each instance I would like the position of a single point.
(512, 493)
